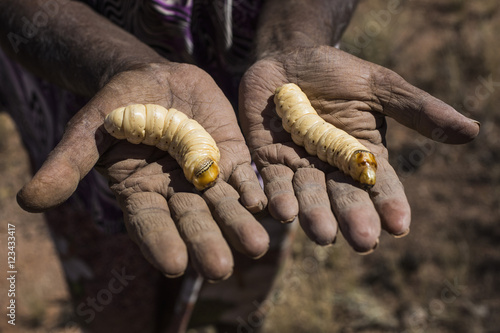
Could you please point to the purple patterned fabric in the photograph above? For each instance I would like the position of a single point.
(215, 35)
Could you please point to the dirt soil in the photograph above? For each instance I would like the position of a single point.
(442, 277)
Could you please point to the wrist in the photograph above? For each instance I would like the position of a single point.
(77, 49)
(275, 43)
(128, 62)
(111, 50)
(285, 26)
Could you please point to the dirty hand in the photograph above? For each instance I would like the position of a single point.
(355, 96)
(163, 214)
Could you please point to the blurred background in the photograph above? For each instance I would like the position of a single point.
(442, 277)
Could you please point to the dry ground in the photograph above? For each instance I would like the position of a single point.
(443, 277)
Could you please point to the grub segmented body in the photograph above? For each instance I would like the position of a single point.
(170, 130)
(320, 138)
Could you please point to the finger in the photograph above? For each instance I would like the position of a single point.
(390, 201)
(358, 220)
(283, 205)
(418, 110)
(67, 164)
(238, 225)
(245, 181)
(148, 222)
(208, 251)
(288, 154)
(315, 214)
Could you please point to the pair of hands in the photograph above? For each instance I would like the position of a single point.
(170, 222)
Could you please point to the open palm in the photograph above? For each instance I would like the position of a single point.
(163, 213)
(355, 96)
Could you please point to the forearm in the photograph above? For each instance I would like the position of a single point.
(285, 25)
(68, 43)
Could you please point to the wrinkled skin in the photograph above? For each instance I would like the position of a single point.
(163, 213)
(355, 96)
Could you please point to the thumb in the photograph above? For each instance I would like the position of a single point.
(422, 112)
(67, 164)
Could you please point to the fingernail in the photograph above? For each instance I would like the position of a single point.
(289, 220)
(402, 234)
(255, 208)
(329, 244)
(370, 250)
(172, 276)
(477, 122)
(225, 277)
(324, 244)
(259, 256)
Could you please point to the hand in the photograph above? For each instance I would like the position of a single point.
(355, 96)
(163, 214)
